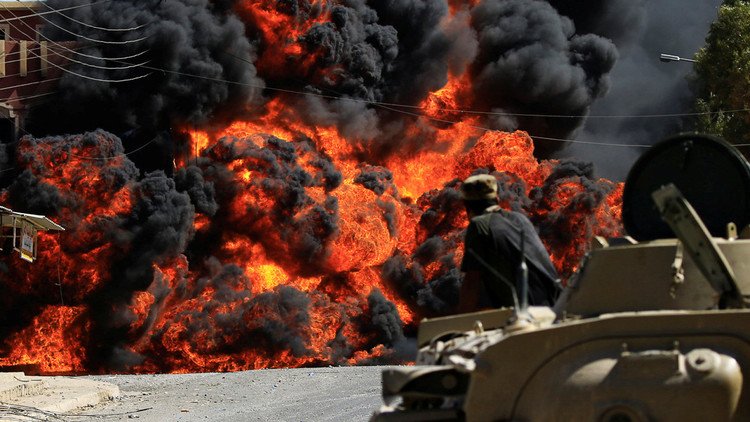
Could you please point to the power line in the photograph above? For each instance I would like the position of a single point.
(397, 105)
(27, 84)
(76, 61)
(74, 73)
(118, 155)
(91, 78)
(79, 35)
(54, 43)
(29, 97)
(89, 25)
(391, 106)
(131, 66)
(57, 10)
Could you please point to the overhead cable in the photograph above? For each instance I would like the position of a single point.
(131, 66)
(91, 78)
(5, 88)
(128, 66)
(415, 107)
(60, 45)
(54, 44)
(80, 35)
(56, 10)
(389, 106)
(125, 154)
(89, 25)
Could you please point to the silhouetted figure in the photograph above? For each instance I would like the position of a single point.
(493, 242)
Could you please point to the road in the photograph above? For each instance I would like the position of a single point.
(314, 394)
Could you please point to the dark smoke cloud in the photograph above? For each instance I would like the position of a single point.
(421, 66)
(190, 37)
(438, 235)
(356, 42)
(385, 318)
(641, 84)
(152, 229)
(266, 324)
(202, 193)
(3, 157)
(285, 320)
(93, 150)
(532, 60)
(443, 209)
(276, 208)
(441, 294)
(327, 175)
(28, 193)
(376, 178)
(523, 55)
(617, 20)
(157, 230)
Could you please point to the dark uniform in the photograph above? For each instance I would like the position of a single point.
(494, 238)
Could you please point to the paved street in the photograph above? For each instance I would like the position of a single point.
(315, 394)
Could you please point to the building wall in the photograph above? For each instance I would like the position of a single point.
(28, 73)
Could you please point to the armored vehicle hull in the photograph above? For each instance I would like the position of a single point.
(656, 330)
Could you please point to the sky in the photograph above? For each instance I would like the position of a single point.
(641, 84)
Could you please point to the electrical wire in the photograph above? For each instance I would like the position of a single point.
(86, 64)
(60, 45)
(122, 154)
(395, 106)
(89, 25)
(27, 84)
(65, 9)
(29, 97)
(54, 44)
(91, 78)
(132, 66)
(79, 35)
(453, 110)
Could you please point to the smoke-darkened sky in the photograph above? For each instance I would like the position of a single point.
(641, 84)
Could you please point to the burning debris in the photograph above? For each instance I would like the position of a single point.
(294, 229)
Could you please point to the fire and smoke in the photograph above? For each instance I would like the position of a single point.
(310, 226)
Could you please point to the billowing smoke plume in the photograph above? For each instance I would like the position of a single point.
(641, 84)
(314, 229)
(208, 61)
(531, 60)
(122, 264)
(198, 61)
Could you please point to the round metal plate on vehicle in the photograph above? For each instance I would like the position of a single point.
(712, 175)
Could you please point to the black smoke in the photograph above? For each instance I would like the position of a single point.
(198, 61)
(532, 60)
(641, 84)
(209, 61)
(276, 208)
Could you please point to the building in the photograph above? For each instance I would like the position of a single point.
(28, 64)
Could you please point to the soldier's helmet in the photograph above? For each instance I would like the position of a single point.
(478, 187)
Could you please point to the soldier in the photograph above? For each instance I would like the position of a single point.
(493, 239)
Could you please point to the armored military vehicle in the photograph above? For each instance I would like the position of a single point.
(652, 327)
